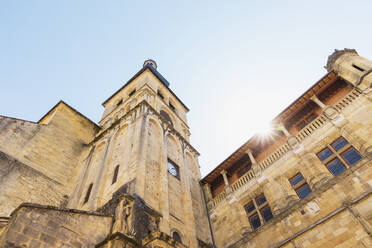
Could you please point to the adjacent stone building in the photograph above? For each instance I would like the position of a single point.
(133, 179)
(308, 182)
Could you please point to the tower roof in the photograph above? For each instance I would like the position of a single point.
(335, 55)
(149, 66)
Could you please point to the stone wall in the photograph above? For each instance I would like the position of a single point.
(329, 217)
(44, 156)
(20, 183)
(36, 226)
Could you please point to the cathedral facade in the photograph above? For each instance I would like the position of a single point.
(133, 179)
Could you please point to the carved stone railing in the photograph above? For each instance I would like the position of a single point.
(311, 127)
(316, 124)
(218, 198)
(242, 180)
(350, 97)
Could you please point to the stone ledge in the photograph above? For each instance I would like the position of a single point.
(120, 236)
(48, 207)
(163, 237)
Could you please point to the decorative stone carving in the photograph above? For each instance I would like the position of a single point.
(295, 145)
(124, 216)
(330, 112)
(312, 208)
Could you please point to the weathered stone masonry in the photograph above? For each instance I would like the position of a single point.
(133, 180)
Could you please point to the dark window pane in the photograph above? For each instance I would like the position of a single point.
(166, 116)
(177, 237)
(161, 95)
(260, 200)
(132, 92)
(296, 179)
(115, 177)
(266, 213)
(249, 207)
(303, 191)
(336, 167)
(86, 199)
(351, 156)
(323, 155)
(255, 221)
(338, 144)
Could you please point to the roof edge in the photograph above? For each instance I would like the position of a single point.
(273, 120)
(156, 74)
(73, 109)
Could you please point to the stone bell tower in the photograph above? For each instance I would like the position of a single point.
(142, 153)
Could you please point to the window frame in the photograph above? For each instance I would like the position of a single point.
(338, 154)
(170, 161)
(258, 211)
(299, 185)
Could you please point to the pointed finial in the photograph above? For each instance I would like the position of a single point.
(150, 62)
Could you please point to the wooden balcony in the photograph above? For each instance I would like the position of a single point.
(305, 133)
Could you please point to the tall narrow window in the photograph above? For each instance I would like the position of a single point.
(258, 211)
(339, 155)
(115, 177)
(119, 102)
(160, 94)
(132, 92)
(166, 116)
(172, 106)
(177, 237)
(300, 186)
(86, 199)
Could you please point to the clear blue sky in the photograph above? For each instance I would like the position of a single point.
(235, 64)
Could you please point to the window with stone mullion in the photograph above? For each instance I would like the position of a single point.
(258, 211)
(339, 155)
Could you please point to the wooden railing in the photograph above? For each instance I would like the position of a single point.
(283, 149)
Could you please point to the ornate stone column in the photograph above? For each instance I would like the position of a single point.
(292, 141)
(255, 166)
(227, 185)
(330, 112)
(223, 173)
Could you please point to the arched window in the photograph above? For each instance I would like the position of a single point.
(166, 116)
(176, 236)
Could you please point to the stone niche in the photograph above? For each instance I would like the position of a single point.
(133, 218)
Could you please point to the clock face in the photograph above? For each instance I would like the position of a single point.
(172, 169)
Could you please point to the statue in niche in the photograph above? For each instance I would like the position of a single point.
(154, 224)
(124, 217)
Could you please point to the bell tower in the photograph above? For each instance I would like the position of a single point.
(143, 149)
